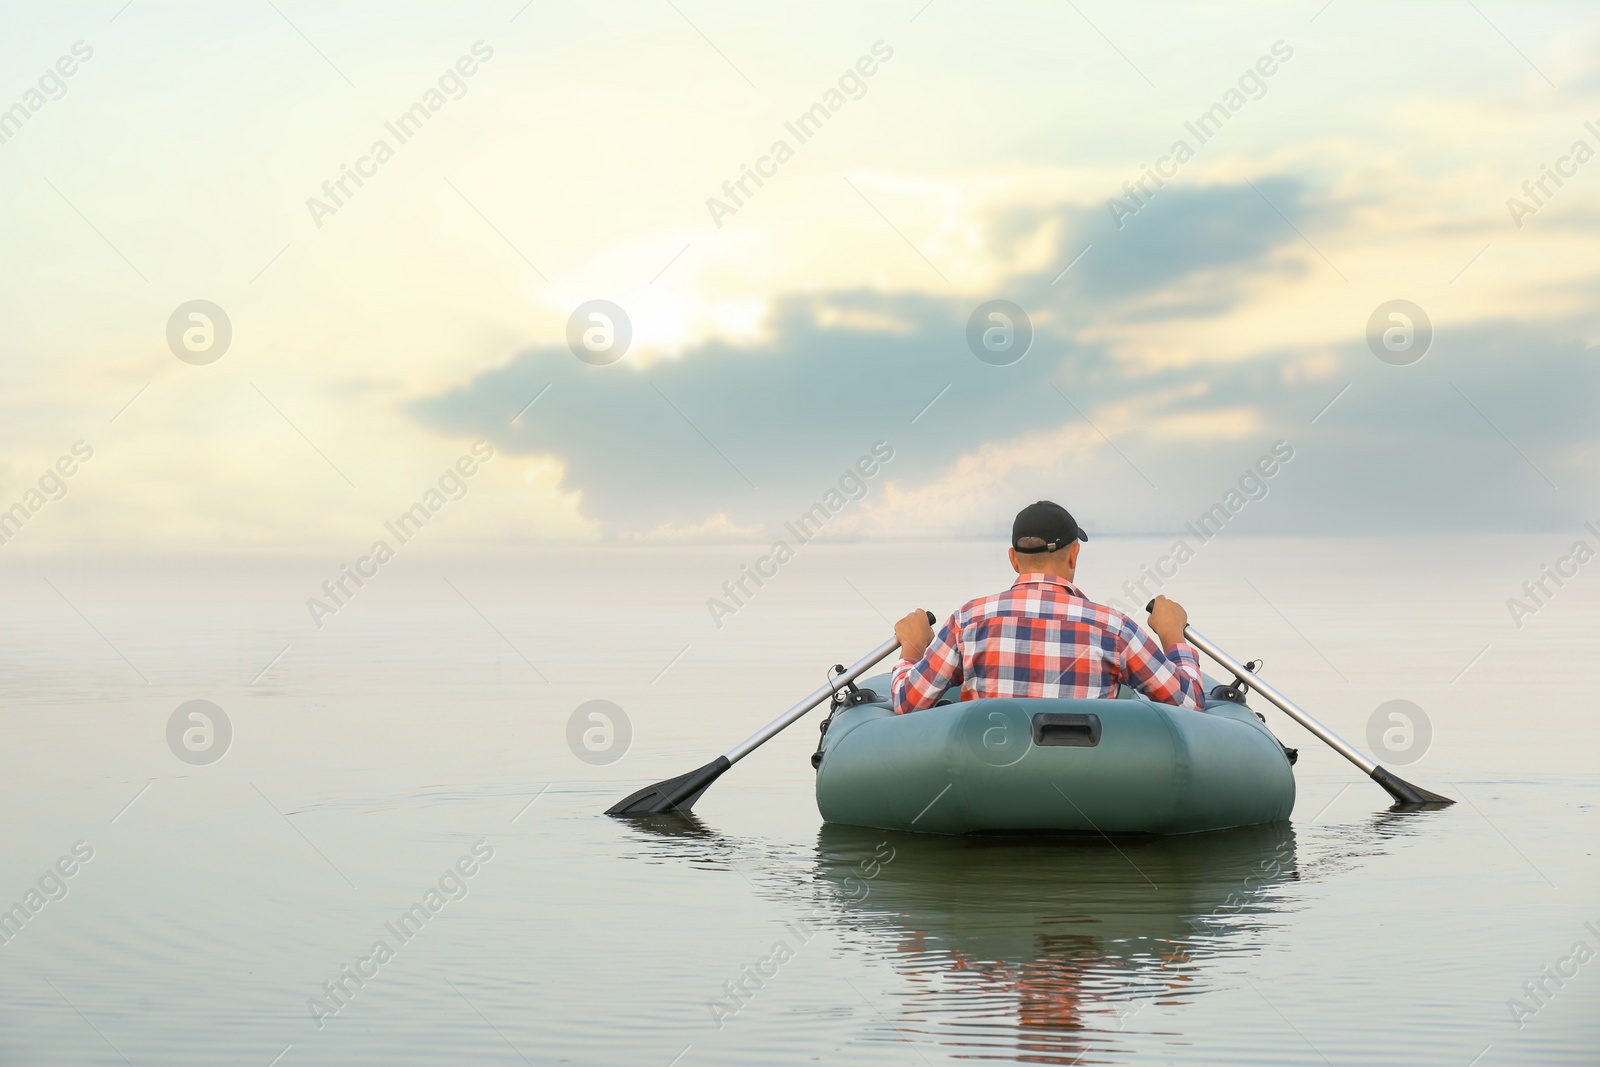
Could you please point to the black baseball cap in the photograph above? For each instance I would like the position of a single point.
(1048, 521)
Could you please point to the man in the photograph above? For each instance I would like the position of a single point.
(1043, 637)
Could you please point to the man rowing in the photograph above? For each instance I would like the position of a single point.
(1043, 637)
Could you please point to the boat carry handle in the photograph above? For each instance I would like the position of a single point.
(1066, 729)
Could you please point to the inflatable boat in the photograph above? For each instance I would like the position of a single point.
(1116, 766)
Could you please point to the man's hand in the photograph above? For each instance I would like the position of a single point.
(1168, 619)
(914, 633)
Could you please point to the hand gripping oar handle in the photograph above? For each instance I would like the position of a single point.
(680, 793)
(1402, 790)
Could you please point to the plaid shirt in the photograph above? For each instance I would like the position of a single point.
(1044, 638)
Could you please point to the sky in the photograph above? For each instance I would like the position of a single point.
(957, 154)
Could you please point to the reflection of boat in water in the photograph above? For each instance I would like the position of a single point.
(1034, 948)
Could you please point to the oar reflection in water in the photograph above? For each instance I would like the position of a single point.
(1044, 949)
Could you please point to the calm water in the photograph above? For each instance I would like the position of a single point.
(425, 727)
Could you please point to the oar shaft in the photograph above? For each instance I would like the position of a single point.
(761, 736)
(1287, 706)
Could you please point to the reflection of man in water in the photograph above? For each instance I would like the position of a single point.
(1050, 994)
(1043, 637)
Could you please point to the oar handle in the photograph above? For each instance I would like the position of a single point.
(817, 696)
(1284, 704)
(1403, 791)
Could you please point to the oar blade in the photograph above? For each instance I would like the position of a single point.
(1406, 793)
(674, 794)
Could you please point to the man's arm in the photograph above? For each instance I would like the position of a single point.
(928, 665)
(1168, 672)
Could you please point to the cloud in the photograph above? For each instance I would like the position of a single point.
(731, 436)
(1218, 233)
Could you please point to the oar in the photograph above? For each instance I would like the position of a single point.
(1397, 787)
(680, 793)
